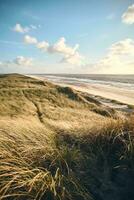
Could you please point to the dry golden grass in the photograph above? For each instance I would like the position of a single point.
(32, 166)
(59, 144)
(37, 163)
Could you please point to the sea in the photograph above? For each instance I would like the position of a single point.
(120, 81)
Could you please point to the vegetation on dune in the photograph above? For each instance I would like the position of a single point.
(18, 93)
(130, 106)
(64, 166)
(59, 144)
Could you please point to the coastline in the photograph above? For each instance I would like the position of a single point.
(115, 97)
(122, 95)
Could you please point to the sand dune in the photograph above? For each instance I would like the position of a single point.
(114, 93)
(122, 95)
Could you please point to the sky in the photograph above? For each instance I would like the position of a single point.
(67, 36)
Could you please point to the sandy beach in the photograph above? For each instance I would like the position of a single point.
(122, 95)
(113, 93)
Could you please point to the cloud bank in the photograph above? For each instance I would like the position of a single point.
(119, 59)
(69, 54)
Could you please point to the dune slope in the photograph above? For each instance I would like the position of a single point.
(60, 144)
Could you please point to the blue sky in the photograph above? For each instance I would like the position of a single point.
(98, 27)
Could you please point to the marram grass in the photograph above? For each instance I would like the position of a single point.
(60, 144)
(58, 167)
(33, 168)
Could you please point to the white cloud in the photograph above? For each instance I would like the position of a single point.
(20, 29)
(69, 54)
(124, 47)
(61, 47)
(30, 40)
(18, 61)
(75, 59)
(119, 59)
(128, 16)
(43, 46)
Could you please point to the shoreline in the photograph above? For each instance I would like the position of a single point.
(112, 93)
(118, 98)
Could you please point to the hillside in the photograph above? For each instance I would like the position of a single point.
(25, 98)
(61, 144)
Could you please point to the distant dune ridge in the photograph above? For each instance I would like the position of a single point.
(58, 143)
